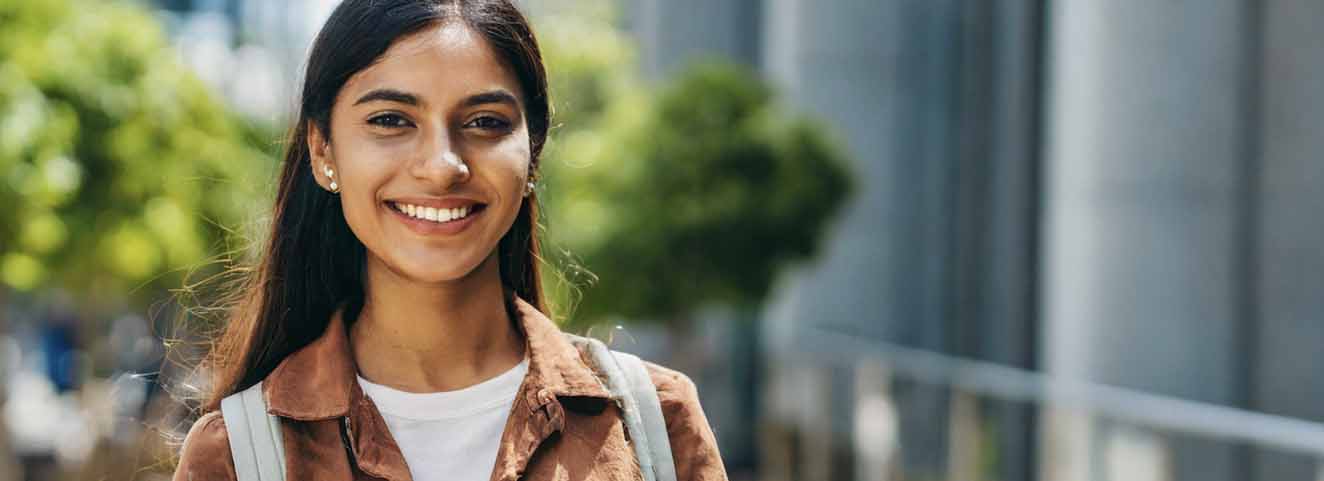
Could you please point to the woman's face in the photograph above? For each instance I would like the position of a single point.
(430, 151)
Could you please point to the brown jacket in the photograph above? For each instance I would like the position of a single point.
(563, 425)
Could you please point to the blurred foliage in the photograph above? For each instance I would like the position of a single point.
(119, 171)
(658, 202)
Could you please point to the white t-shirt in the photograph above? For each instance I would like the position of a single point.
(450, 435)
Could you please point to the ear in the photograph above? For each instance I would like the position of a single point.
(319, 155)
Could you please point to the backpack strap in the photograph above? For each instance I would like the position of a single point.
(255, 438)
(650, 413)
(628, 381)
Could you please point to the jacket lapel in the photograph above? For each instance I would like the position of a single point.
(317, 385)
(556, 372)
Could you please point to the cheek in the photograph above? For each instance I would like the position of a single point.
(369, 160)
(517, 150)
(363, 168)
(505, 166)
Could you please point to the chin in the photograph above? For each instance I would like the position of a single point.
(431, 270)
(437, 274)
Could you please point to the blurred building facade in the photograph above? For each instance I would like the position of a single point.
(1121, 193)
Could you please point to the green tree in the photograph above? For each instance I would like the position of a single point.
(660, 202)
(119, 171)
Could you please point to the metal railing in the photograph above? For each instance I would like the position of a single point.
(1121, 404)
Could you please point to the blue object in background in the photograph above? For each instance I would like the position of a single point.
(58, 355)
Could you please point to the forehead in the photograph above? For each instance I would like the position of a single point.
(439, 63)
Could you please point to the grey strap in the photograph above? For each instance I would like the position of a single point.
(650, 412)
(255, 438)
(628, 382)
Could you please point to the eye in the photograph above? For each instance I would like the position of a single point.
(390, 121)
(488, 122)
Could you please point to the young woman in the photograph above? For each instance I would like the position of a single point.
(395, 320)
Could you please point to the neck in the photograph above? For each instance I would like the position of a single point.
(434, 337)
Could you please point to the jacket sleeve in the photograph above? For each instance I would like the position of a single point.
(205, 455)
(693, 445)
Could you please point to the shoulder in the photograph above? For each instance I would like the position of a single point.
(206, 451)
(676, 391)
(693, 445)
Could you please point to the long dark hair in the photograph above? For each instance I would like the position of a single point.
(313, 263)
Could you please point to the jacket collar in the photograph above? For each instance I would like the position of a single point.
(318, 381)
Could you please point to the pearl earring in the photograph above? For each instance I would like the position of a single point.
(528, 189)
(331, 174)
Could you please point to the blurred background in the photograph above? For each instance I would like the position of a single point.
(889, 239)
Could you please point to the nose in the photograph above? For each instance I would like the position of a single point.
(439, 164)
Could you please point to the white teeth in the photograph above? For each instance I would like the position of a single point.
(432, 213)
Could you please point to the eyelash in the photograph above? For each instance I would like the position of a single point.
(390, 121)
(501, 124)
(397, 121)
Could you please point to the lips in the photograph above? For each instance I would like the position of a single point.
(432, 217)
(436, 214)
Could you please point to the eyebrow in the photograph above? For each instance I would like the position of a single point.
(498, 96)
(389, 95)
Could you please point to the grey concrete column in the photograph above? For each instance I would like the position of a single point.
(1145, 151)
(881, 74)
(995, 286)
(844, 62)
(673, 33)
(1290, 243)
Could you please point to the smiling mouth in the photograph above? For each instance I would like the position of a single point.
(438, 215)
